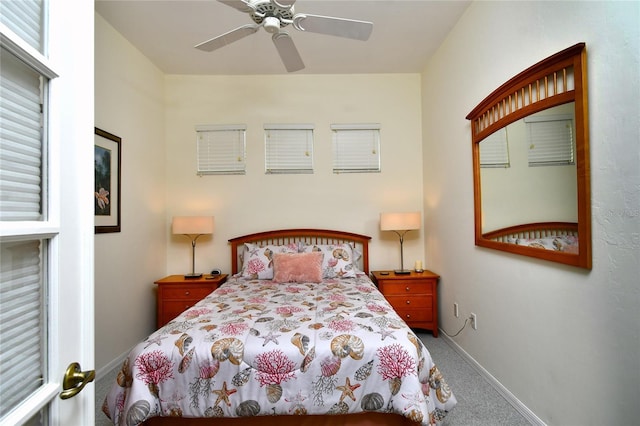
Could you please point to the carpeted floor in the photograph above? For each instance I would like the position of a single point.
(479, 404)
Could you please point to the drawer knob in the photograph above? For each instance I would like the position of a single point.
(408, 302)
(408, 289)
(186, 293)
(408, 315)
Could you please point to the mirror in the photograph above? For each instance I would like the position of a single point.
(531, 163)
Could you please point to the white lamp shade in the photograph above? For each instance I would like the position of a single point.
(192, 225)
(399, 221)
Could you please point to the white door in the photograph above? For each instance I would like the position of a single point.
(46, 210)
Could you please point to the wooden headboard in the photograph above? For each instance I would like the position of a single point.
(307, 236)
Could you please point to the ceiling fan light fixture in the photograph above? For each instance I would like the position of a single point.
(271, 24)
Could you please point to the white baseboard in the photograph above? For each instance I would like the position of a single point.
(511, 399)
(117, 362)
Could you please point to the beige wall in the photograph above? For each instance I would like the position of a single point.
(257, 202)
(562, 340)
(129, 104)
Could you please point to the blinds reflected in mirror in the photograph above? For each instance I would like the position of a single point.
(550, 139)
(494, 150)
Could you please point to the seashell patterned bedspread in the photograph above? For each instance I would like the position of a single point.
(255, 347)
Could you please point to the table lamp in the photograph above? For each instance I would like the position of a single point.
(400, 223)
(192, 227)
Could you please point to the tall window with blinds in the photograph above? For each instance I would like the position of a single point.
(356, 148)
(26, 232)
(221, 149)
(288, 148)
(23, 331)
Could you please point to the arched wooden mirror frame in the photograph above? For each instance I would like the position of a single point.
(557, 80)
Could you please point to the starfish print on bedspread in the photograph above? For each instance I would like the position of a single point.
(347, 390)
(223, 394)
(157, 340)
(271, 338)
(385, 332)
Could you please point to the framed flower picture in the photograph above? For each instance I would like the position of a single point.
(107, 161)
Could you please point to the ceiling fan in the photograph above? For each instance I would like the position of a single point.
(273, 15)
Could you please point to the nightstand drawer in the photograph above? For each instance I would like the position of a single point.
(413, 315)
(413, 296)
(175, 292)
(401, 302)
(173, 309)
(405, 287)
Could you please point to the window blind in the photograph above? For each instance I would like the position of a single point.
(221, 149)
(494, 150)
(356, 148)
(20, 141)
(550, 140)
(22, 322)
(25, 18)
(24, 259)
(288, 148)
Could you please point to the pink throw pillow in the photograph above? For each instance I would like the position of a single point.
(297, 267)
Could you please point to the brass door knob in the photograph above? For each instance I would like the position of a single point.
(75, 380)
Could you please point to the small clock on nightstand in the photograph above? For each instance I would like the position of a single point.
(177, 294)
(414, 296)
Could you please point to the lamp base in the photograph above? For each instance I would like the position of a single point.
(193, 276)
(402, 272)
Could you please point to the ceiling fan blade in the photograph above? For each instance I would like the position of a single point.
(288, 52)
(238, 5)
(228, 38)
(341, 27)
(286, 4)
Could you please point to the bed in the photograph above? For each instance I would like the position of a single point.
(557, 236)
(299, 331)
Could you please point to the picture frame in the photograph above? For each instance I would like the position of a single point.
(107, 184)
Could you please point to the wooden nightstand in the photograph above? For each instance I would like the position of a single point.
(176, 294)
(414, 297)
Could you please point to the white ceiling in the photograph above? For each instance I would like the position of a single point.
(405, 35)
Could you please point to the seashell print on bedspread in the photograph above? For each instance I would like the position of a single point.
(255, 347)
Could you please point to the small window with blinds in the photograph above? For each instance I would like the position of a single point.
(550, 139)
(356, 148)
(494, 150)
(288, 148)
(221, 149)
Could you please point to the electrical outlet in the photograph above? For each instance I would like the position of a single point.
(474, 321)
(455, 310)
